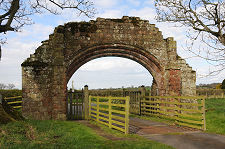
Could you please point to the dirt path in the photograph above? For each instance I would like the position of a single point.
(179, 138)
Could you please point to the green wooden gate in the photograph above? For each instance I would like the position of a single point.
(75, 108)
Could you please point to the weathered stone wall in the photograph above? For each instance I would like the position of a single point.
(47, 71)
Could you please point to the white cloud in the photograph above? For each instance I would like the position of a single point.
(149, 2)
(35, 32)
(18, 48)
(147, 13)
(105, 3)
(14, 53)
(134, 2)
(108, 63)
(111, 14)
(71, 16)
(204, 77)
(111, 72)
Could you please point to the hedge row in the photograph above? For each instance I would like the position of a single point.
(208, 92)
(11, 93)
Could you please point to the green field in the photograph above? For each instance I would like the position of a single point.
(65, 134)
(215, 116)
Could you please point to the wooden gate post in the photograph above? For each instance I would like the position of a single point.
(86, 103)
(1, 99)
(143, 94)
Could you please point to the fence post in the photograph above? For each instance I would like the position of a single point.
(176, 109)
(110, 112)
(89, 107)
(1, 98)
(127, 114)
(86, 103)
(143, 93)
(71, 105)
(97, 118)
(203, 113)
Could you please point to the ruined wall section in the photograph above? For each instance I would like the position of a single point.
(188, 78)
(182, 77)
(36, 83)
(44, 80)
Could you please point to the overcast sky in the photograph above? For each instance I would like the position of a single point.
(102, 72)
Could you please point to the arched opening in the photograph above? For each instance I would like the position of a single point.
(107, 76)
(148, 61)
(110, 72)
(136, 54)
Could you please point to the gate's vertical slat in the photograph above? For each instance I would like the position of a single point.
(76, 103)
(97, 109)
(82, 106)
(139, 103)
(74, 106)
(129, 94)
(203, 113)
(127, 115)
(79, 105)
(72, 109)
(110, 111)
(90, 107)
(136, 103)
(67, 115)
(70, 98)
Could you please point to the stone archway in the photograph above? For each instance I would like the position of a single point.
(47, 71)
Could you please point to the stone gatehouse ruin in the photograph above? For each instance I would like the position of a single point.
(45, 73)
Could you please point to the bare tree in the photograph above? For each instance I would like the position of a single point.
(206, 22)
(14, 14)
(10, 86)
(2, 86)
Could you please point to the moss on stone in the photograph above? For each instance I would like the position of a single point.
(117, 20)
(60, 30)
(135, 21)
(34, 64)
(76, 27)
(178, 57)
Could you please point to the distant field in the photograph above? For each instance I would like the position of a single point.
(65, 134)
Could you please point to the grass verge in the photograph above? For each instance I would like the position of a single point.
(64, 134)
(215, 116)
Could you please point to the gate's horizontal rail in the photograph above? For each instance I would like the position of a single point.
(186, 111)
(14, 102)
(115, 115)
